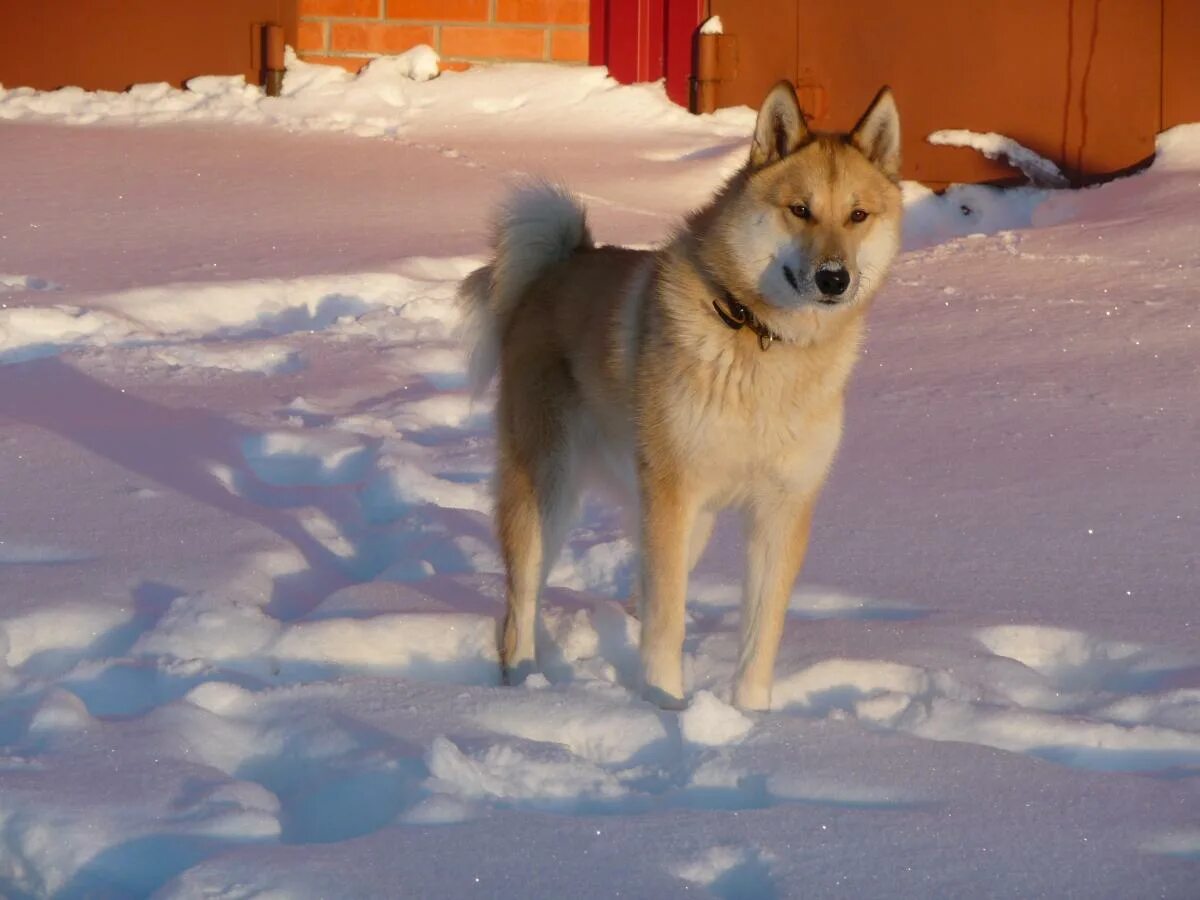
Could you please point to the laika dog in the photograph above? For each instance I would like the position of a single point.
(703, 375)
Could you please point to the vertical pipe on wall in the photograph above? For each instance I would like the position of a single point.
(273, 43)
(704, 83)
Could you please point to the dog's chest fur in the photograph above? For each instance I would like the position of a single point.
(748, 418)
(660, 373)
(741, 418)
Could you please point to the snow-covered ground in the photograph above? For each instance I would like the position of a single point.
(248, 588)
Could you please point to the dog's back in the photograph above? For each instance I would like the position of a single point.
(550, 297)
(536, 227)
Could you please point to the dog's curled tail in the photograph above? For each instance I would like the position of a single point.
(538, 225)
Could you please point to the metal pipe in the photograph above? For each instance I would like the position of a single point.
(273, 55)
(704, 81)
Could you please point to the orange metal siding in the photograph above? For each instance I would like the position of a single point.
(1181, 62)
(1080, 81)
(111, 44)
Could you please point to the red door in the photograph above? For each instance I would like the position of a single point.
(645, 40)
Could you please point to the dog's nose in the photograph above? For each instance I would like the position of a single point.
(832, 282)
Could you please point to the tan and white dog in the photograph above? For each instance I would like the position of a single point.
(707, 374)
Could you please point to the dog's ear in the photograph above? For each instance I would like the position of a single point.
(780, 128)
(877, 133)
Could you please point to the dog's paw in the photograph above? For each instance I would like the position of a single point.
(752, 698)
(663, 699)
(515, 675)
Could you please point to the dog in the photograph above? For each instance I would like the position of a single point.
(706, 374)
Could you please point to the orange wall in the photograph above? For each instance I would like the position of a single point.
(351, 32)
(1082, 82)
(111, 44)
(1181, 62)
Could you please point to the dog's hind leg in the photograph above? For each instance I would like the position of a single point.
(776, 543)
(536, 496)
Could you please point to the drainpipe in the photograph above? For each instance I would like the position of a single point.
(715, 60)
(704, 81)
(273, 41)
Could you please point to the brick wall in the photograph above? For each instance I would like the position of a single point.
(351, 32)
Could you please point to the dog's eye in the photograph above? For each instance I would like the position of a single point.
(800, 211)
(859, 215)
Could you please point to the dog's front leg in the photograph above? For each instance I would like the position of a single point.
(668, 513)
(776, 541)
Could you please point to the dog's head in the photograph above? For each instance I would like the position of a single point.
(818, 221)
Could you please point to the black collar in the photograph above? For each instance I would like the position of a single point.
(738, 316)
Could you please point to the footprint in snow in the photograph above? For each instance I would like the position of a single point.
(731, 873)
(27, 283)
(1051, 693)
(315, 459)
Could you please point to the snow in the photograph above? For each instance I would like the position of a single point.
(712, 25)
(1039, 170)
(249, 589)
(711, 722)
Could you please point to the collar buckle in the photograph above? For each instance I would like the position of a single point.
(738, 316)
